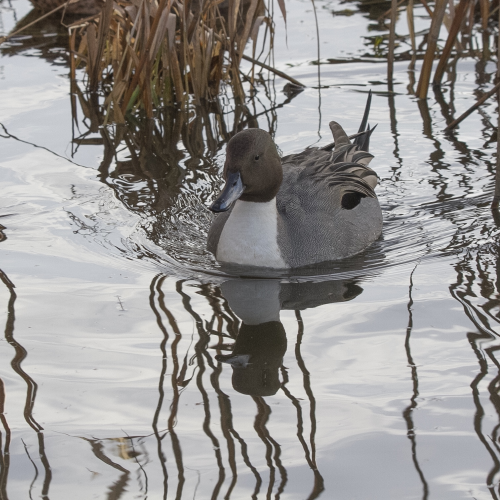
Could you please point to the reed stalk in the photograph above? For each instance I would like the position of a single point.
(411, 30)
(141, 54)
(476, 105)
(425, 75)
(427, 8)
(485, 13)
(392, 40)
(458, 18)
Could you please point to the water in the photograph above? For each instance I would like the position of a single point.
(133, 366)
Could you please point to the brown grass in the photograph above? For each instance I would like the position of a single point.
(458, 18)
(144, 54)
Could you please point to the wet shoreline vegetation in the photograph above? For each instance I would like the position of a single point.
(131, 62)
(150, 56)
(141, 56)
(186, 55)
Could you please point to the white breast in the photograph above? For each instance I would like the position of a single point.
(250, 236)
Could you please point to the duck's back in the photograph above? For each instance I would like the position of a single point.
(327, 205)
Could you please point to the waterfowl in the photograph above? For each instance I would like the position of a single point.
(307, 208)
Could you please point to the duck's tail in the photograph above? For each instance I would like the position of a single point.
(364, 121)
(361, 139)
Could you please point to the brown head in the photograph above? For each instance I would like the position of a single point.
(252, 170)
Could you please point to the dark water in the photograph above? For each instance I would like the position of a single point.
(132, 366)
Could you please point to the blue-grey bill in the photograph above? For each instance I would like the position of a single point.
(232, 191)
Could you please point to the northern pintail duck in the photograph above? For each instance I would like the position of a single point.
(315, 206)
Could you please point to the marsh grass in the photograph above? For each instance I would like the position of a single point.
(461, 20)
(141, 54)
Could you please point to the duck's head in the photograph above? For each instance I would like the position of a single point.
(252, 170)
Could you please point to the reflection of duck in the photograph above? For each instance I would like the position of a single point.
(258, 351)
(311, 207)
(256, 357)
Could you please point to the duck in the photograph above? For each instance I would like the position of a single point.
(307, 208)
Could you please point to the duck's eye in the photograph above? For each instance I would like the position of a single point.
(256, 157)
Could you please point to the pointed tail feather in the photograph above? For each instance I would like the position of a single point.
(365, 139)
(361, 139)
(364, 121)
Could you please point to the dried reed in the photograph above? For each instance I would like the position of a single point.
(144, 54)
(425, 75)
(458, 18)
(392, 38)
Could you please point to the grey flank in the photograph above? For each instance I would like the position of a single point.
(313, 226)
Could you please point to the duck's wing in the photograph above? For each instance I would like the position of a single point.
(327, 203)
(341, 163)
(346, 166)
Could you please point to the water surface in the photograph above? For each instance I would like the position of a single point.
(133, 366)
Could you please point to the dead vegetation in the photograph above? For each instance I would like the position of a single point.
(459, 20)
(141, 54)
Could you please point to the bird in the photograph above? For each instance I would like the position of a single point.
(307, 208)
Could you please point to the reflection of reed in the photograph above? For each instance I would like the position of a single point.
(174, 407)
(223, 400)
(19, 356)
(156, 288)
(261, 419)
(221, 325)
(118, 487)
(437, 154)
(34, 466)
(125, 449)
(246, 460)
(479, 414)
(408, 412)
(395, 133)
(165, 151)
(310, 454)
(224, 313)
(467, 156)
(201, 353)
(221, 314)
(4, 448)
(318, 479)
(136, 454)
(463, 291)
